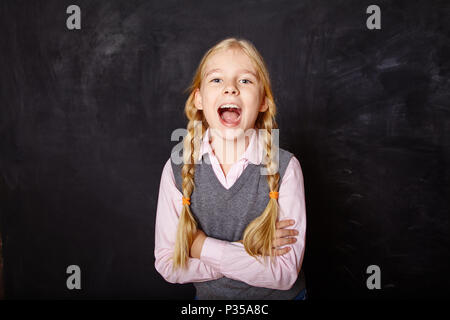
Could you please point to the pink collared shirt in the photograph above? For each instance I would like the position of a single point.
(222, 258)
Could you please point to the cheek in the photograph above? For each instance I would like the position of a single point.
(209, 96)
(209, 108)
(253, 98)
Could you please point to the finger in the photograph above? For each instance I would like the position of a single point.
(283, 241)
(281, 233)
(284, 223)
(279, 242)
(280, 252)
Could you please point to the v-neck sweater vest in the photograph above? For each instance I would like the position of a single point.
(225, 213)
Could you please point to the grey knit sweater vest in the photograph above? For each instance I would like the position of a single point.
(225, 213)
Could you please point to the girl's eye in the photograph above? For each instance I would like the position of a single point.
(217, 80)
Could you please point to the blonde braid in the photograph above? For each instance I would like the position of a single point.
(259, 234)
(187, 226)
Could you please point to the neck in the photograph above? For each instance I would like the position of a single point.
(228, 151)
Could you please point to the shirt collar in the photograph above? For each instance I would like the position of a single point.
(253, 153)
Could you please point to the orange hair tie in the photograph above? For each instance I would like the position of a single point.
(186, 201)
(273, 195)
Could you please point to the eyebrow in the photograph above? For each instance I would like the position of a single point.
(240, 71)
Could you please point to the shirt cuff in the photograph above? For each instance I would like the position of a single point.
(212, 252)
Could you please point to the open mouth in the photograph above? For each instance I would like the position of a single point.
(229, 114)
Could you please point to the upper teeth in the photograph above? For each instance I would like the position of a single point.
(229, 106)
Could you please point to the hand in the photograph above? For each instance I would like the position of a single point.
(283, 237)
(197, 244)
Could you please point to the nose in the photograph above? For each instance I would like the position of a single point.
(230, 89)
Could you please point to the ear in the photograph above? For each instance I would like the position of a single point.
(264, 105)
(198, 99)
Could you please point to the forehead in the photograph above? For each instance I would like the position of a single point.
(229, 60)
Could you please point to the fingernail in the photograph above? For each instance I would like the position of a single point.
(292, 221)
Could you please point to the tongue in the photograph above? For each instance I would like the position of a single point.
(230, 116)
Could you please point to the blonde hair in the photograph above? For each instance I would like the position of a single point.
(259, 234)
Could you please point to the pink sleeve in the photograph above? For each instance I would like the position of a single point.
(231, 259)
(167, 216)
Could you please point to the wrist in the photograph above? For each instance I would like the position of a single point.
(197, 244)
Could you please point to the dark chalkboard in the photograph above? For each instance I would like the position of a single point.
(86, 117)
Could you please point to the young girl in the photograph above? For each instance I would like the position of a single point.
(221, 222)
